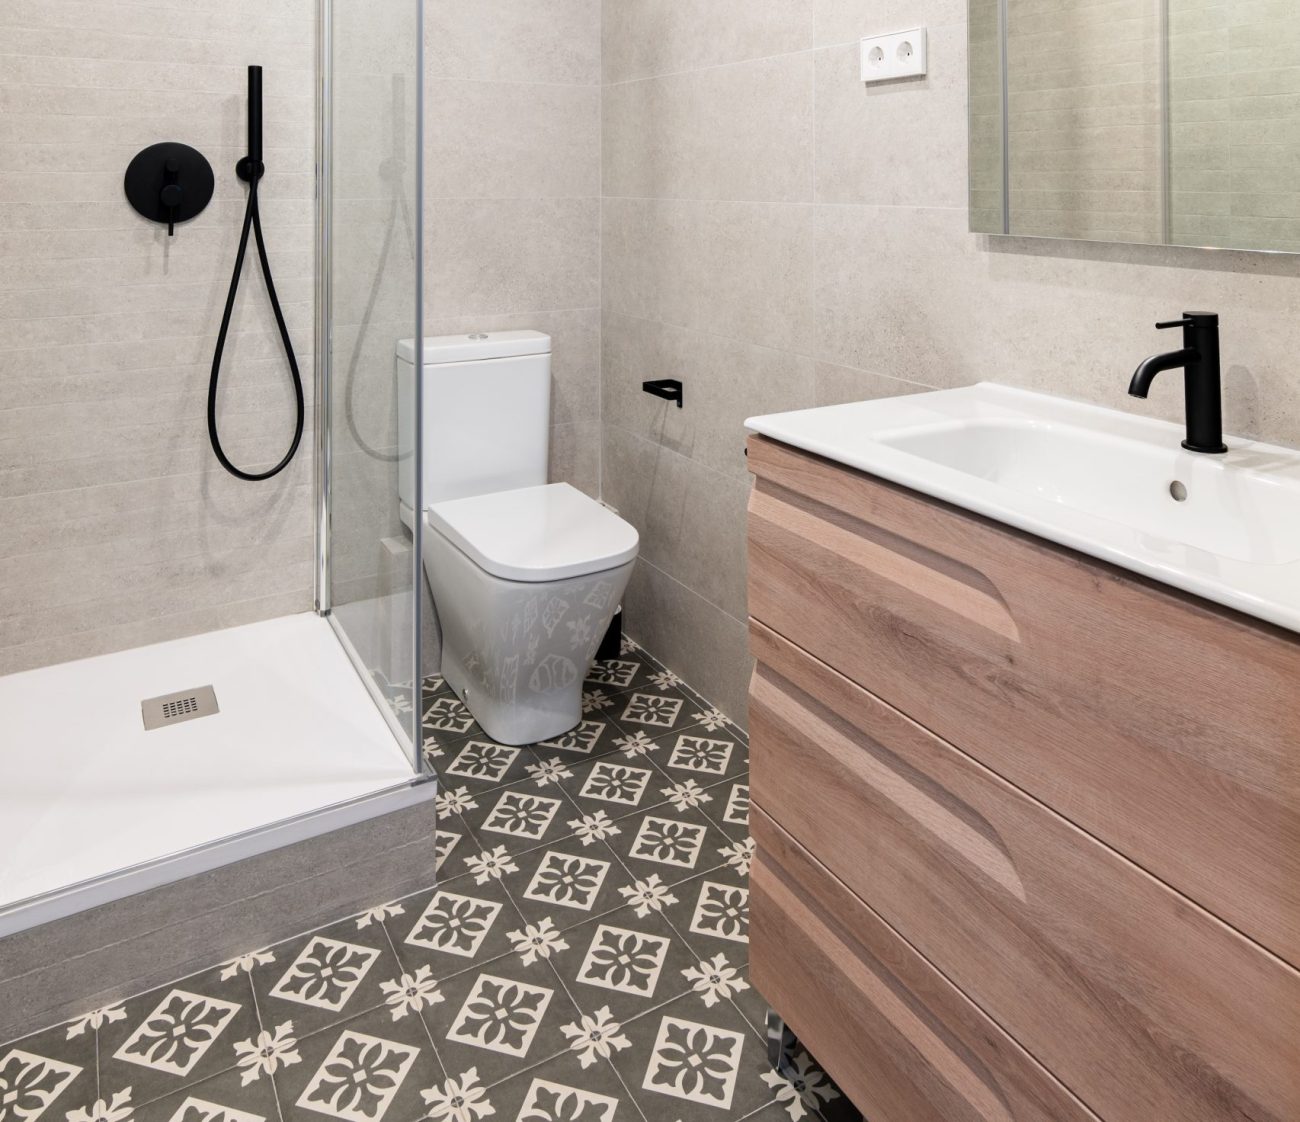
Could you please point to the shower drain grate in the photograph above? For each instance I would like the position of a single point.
(174, 708)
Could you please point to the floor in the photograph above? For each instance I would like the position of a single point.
(583, 957)
(296, 731)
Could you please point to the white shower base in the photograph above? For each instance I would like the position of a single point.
(297, 748)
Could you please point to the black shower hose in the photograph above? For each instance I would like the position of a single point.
(253, 221)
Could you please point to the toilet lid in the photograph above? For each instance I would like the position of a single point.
(536, 534)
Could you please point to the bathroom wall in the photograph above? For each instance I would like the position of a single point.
(779, 236)
(119, 528)
(512, 193)
(1234, 132)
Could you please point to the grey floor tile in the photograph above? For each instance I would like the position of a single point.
(230, 1096)
(368, 1067)
(176, 1035)
(325, 977)
(582, 955)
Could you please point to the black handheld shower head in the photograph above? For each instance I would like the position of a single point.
(251, 169)
(251, 166)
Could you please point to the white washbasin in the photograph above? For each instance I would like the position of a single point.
(1109, 484)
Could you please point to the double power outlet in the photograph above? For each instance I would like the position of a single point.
(900, 55)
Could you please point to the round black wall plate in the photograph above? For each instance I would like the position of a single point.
(167, 166)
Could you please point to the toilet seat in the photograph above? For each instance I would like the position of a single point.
(536, 534)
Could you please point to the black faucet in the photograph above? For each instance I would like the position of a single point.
(1199, 361)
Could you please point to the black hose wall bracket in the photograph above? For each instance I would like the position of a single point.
(169, 183)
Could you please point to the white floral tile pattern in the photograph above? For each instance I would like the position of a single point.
(694, 1062)
(624, 960)
(326, 974)
(617, 673)
(669, 841)
(454, 924)
(722, 910)
(582, 739)
(194, 1109)
(737, 812)
(522, 815)
(616, 783)
(567, 880)
(582, 958)
(501, 1015)
(448, 714)
(699, 753)
(29, 1084)
(460, 1099)
(177, 1034)
(482, 759)
(554, 1102)
(656, 710)
(359, 1077)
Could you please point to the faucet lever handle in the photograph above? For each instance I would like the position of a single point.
(1188, 322)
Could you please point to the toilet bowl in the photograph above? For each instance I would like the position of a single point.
(525, 575)
(526, 583)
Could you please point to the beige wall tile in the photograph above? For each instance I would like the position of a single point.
(513, 40)
(575, 456)
(725, 382)
(691, 518)
(508, 140)
(119, 528)
(898, 142)
(739, 132)
(491, 256)
(744, 270)
(839, 22)
(647, 38)
(701, 643)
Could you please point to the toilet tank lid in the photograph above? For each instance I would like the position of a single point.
(479, 345)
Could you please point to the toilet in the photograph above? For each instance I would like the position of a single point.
(526, 576)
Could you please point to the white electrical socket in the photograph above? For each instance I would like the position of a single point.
(901, 55)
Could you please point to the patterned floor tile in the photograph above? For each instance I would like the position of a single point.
(582, 956)
(567, 883)
(501, 1018)
(563, 1089)
(37, 1080)
(229, 1097)
(176, 1035)
(323, 978)
(683, 1056)
(369, 1068)
(629, 961)
(450, 929)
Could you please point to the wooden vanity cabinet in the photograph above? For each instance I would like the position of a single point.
(1028, 826)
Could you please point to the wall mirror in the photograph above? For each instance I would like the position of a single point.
(1171, 122)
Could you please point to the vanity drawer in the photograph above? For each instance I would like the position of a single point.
(1143, 1004)
(901, 1040)
(1161, 724)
